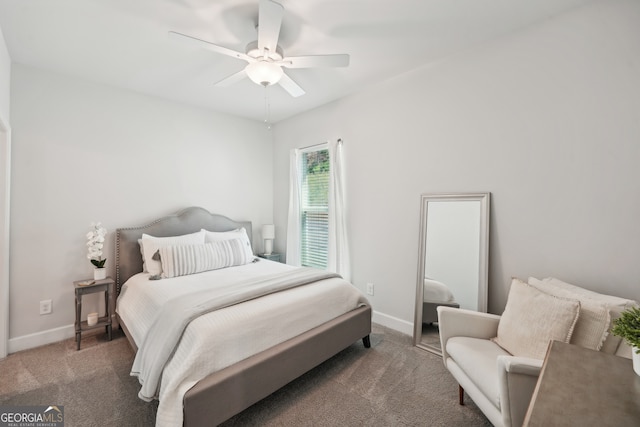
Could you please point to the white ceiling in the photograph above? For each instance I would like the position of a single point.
(124, 43)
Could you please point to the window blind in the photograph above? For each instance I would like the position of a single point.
(315, 209)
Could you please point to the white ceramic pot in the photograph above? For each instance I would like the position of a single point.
(636, 360)
(92, 319)
(99, 273)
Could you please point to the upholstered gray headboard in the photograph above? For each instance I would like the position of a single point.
(190, 220)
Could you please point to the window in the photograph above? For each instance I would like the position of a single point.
(316, 228)
(314, 209)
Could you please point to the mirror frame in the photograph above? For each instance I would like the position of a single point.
(483, 264)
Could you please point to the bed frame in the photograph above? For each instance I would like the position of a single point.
(229, 391)
(430, 313)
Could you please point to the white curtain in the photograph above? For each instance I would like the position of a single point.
(293, 225)
(338, 261)
(338, 246)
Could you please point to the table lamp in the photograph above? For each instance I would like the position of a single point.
(268, 234)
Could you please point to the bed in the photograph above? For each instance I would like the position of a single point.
(435, 293)
(213, 397)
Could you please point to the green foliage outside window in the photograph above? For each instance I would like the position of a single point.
(317, 161)
(316, 179)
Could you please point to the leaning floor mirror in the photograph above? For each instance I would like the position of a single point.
(452, 260)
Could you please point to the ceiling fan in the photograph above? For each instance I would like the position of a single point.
(264, 56)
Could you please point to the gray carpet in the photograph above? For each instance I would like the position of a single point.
(390, 384)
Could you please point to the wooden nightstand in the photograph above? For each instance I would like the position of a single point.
(104, 285)
(271, 257)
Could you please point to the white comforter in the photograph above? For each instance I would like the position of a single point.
(223, 337)
(436, 292)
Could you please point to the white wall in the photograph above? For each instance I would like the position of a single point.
(84, 152)
(546, 120)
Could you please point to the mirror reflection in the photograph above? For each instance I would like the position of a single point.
(453, 260)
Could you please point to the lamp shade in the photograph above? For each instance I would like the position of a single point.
(268, 231)
(264, 73)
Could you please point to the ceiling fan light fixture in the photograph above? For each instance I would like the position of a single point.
(264, 73)
(264, 56)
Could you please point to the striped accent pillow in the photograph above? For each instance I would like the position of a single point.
(191, 259)
(239, 233)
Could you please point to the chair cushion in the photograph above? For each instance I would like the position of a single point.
(533, 318)
(478, 359)
(615, 304)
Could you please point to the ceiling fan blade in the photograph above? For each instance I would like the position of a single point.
(193, 41)
(290, 86)
(233, 78)
(313, 61)
(269, 22)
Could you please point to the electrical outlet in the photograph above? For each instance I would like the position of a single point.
(369, 288)
(45, 306)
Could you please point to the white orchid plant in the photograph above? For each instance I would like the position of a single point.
(95, 243)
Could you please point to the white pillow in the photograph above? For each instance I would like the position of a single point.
(238, 233)
(435, 291)
(592, 326)
(149, 245)
(615, 304)
(190, 259)
(532, 319)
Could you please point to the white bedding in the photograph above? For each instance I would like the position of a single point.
(435, 291)
(223, 337)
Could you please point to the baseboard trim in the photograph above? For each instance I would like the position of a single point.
(61, 333)
(38, 339)
(394, 323)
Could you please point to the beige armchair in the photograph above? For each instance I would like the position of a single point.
(500, 383)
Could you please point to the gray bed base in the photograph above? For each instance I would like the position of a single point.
(225, 393)
(228, 392)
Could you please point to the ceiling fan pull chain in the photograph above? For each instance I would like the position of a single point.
(267, 108)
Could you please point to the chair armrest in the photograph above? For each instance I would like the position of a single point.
(517, 379)
(520, 365)
(458, 322)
